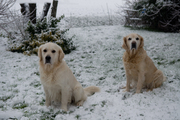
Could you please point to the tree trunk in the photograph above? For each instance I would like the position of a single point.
(54, 8)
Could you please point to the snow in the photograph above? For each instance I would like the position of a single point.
(78, 7)
(135, 19)
(96, 61)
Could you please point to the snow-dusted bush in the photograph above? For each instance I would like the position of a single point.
(25, 37)
(40, 33)
(160, 14)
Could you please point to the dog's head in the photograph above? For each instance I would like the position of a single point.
(50, 54)
(133, 42)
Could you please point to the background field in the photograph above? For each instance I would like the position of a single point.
(96, 61)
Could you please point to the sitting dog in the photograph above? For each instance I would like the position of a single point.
(140, 69)
(59, 83)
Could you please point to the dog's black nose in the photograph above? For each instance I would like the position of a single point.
(133, 45)
(48, 59)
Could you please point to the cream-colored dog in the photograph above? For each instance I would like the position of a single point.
(60, 85)
(140, 69)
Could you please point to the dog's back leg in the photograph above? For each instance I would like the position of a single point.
(158, 80)
(79, 95)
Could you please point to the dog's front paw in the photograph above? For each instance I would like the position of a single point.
(126, 90)
(80, 103)
(48, 103)
(64, 108)
(138, 91)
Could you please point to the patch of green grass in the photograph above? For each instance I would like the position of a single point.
(115, 83)
(1, 105)
(102, 78)
(35, 84)
(103, 103)
(44, 115)
(106, 38)
(122, 68)
(42, 102)
(50, 115)
(101, 82)
(91, 110)
(83, 57)
(5, 98)
(71, 60)
(37, 73)
(29, 114)
(20, 105)
(1, 35)
(14, 85)
(87, 67)
(3, 82)
(172, 62)
(12, 118)
(19, 79)
(16, 91)
(77, 116)
(88, 71)
(94, 105)
(119, 37)
(161, 61)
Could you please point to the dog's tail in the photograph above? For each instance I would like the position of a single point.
(91, 90)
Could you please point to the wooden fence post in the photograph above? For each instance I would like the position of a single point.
(32, 11)
(54, 8)
(24, 8)
(45, 10)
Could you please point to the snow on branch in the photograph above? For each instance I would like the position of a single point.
(5, 5)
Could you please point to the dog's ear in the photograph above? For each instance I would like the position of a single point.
(40, 53)
(61, 55)
(125, 44)
(141, 41)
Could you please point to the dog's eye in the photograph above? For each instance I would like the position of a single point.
(129, 38)
(137, 38)
(53, 51)
(45, 50)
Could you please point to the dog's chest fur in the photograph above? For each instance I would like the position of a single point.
(51, 85)
(131, 68)
(48, 78)
(133, 64)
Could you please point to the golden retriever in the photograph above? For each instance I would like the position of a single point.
(140, 69)
(59, 83)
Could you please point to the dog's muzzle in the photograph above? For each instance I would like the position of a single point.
(133, 45)
(48, 59)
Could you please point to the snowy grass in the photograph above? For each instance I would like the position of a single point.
(87, 21)
(96, 61)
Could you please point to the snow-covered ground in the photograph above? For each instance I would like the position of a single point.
(96, 61)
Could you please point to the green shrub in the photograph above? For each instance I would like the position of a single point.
(41, 33)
